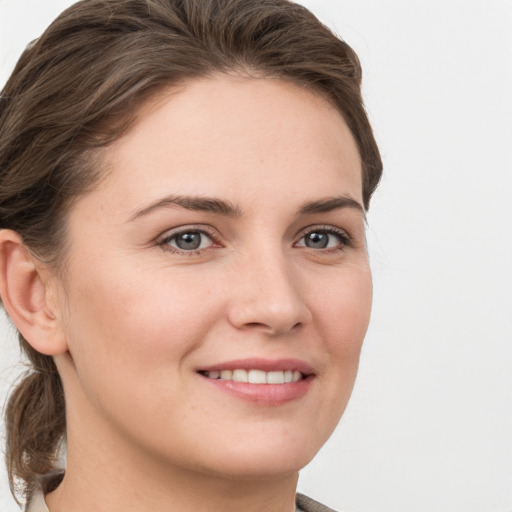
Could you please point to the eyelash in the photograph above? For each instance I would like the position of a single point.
(344, 239)
(164, 242)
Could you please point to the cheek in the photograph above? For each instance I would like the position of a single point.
(344, 313)
(135, 325)
(344, 309)
(130, 340)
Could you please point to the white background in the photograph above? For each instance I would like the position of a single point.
(429, 427)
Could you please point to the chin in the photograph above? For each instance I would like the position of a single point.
(267, 455)
(263, 466)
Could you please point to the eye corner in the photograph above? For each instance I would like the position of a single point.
(323, 238)
(194, 240)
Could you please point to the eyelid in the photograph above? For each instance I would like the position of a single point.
(346, 239)
(163, 239)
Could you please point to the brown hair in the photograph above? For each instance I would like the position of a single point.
(77, 88)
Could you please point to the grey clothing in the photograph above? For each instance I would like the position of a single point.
(305, 504)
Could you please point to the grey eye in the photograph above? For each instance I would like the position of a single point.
(324, 239)
(317, 240)
(190, 240)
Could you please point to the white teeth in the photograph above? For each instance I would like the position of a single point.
(240, 375)
(275, 378)
(226, 375)
(256, 376)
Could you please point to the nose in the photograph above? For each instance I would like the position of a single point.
(267, 296)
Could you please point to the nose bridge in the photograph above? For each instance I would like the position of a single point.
(268, 294)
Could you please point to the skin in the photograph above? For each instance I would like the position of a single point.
(134, 317)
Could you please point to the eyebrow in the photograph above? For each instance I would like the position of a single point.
(330, 204)
(200, 204)
(226, 208)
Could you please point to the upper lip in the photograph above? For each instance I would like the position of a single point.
(266, 365)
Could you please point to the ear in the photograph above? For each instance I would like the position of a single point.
(29, 295)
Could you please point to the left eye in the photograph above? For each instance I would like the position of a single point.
(322, 239)
(189, 240)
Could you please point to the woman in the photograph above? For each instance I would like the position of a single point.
(182, 200)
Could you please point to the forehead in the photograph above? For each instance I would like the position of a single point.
(229, 135)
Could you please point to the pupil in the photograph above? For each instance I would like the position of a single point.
(189, 241)
(317, 240)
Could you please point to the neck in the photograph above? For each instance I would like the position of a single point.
(102, 475)
(104, 492)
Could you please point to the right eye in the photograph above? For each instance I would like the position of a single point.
(189, 240)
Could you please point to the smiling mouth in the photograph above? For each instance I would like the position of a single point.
(256, 376)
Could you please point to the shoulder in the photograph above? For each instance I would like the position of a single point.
(308, 505)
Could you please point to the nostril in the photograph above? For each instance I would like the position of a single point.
(256, 324)
(272, 328)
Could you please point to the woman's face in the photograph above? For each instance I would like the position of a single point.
(217, 289)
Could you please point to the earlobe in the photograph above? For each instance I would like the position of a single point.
(25, 296)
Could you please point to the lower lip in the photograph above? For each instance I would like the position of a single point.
(264, 394)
